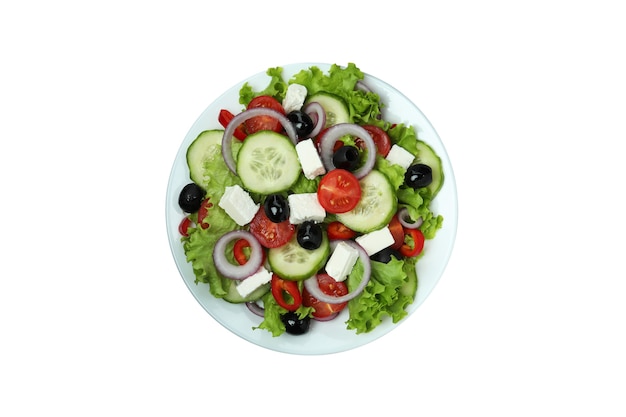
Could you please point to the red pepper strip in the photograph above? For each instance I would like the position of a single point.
(183, 227)
(224, 119)
(204, 212)
(238, 252)
(280, 287)
(418, 243)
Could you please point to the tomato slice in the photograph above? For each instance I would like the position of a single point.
(224, 119)
(339, 191)
(339, 231)
(268, 233)
(329, 286)
(281, 287)
(381, 139)
(397, 231)
(203, 212)
(258, 123)
(415, 247)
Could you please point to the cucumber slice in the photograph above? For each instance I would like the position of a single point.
(334, 106)
(426, 156)
(203, 148)
(233, 296)
(291, 261)
(268, 163)
(377, 206)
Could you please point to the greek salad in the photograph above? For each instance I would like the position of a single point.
(307, 202)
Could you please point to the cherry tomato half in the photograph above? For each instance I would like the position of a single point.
(224, 119)
(339, 231)
(329, 286)
(258, 123)
(268, 233)
(415, 247)
(339, 191)
(280, 287)
(381, 139)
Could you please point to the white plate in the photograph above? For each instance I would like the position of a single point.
(323, 337)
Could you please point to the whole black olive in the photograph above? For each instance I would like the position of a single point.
(191, 197)
(385, 255)
(276, 208)
(346, 157)
(294, 324)
(309, 235)
(302, 122)
(418, 176)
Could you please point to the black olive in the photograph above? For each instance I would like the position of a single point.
(310, 235)
(346, 157)
(276, 208)
(294, 324)
(301, 121)
(191, 197)
(385, 255)
(418, 176)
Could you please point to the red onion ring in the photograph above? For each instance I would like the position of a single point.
(318, 115)
(227, 139)
(238, 272)
(405, 220)
(341, 129)
(255, 308)
(360, 85)
(312, 286)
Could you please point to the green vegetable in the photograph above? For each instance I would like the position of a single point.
(276, 88)
(391, 289)
(271, 320)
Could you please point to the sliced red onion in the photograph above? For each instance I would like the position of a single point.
(318, 115)
(341, 129)
(255, 308)
(360, 85)
(227, 139)
(225, 267)
(312, 285)
(405, 220)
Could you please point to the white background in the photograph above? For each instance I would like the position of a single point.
(529, 100)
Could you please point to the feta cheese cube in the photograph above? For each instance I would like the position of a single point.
(294, 97)
(238, 204)
(341, 261)
(309, 159)
(400, 156)
(375, 241)
(303, 207)
(261, 277)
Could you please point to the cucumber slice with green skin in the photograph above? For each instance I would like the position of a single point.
(376, 207)
(233, 296)
(267, 163)
(201, 149)
(292, 262)
(334, 106)
(426, 156)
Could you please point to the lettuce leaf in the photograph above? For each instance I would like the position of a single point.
(277, 87)
(392, 287)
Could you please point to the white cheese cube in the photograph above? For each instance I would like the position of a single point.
(375, 241)
(309, 159)
(261, 277)
(400, 156)
(341, 261)
(303, 207)
(294, 97)
(238, 204)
